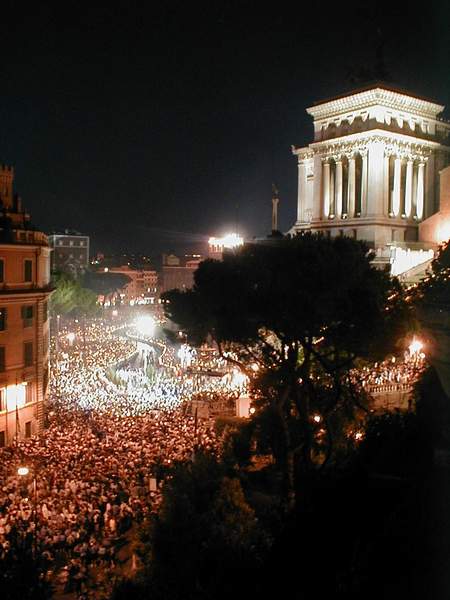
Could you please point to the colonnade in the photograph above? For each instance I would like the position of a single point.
(405, 186)
(345, 185)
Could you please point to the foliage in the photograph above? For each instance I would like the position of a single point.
(204, 537)
(432, 302)
(71, 299)
(396, 443)
(302, 311)
(104, 283)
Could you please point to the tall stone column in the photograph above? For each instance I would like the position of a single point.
(326, 189)
(351, 186)
(408, 188)
(338, 189)
(332, 192)
(396, 192)
(420, 190)
(301, 198)
(387, 208)
(375, 178)
(364, 183)
(317, 188)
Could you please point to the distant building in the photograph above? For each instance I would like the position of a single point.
(178, 273)
(141, 289)
(70, 252)
(24, 324)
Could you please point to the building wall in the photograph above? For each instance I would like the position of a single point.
(70, 253)
(24, 328)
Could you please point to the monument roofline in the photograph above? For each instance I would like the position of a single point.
(375, 94)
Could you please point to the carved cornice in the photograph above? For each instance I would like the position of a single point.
(375, 96)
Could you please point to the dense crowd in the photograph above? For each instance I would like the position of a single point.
(392, 372)
(98, 468)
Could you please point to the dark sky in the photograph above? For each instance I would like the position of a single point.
(147, 126)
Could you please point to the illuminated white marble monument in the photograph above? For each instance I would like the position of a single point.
(372, 171)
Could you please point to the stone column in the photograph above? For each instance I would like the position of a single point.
(332, 192)
(364, 183)
(338, 189)
(351, 187)
(326, 189)
(387, 209)
(375, 179)
(317, 188)
(301, 198)
(408, 188)
(396, 192)
(420, 190)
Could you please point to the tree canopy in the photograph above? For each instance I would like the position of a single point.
(298, 313)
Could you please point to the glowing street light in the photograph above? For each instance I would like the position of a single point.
(22, 471)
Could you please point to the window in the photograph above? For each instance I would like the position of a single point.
(45, 312)
(28, 393)
(27, 316)
(2, 359)
(2, 319)
(60, 243)
(2, 399)
(2, 439)
(81, 243)
(71, 243)
(28, 270)
(28, 429)
(2, 270)
(28, 354)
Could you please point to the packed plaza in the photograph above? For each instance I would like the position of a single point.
(115, 422)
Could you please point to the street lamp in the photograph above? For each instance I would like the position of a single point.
(23, 472)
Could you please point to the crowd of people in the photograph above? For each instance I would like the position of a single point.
(391, 372)
(110, 441)
(98, 469)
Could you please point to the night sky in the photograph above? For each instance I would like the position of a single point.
(151, 127)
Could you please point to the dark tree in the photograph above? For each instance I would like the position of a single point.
(303, 310)
(432, 300)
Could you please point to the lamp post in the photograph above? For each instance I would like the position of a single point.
(23, 472)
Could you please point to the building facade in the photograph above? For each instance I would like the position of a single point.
(178, 273)
(70, 252)
(24, 324)
(142, 287)
(372, 171)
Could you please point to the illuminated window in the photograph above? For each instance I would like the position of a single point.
(2, 399)
(71, 243)
(2, 319)
(28, 354)
(28, 270)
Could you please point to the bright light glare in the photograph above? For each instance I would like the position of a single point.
(230, 240)
(145, 325)
(70, 336)
(415, 346)
(317, 418)
(23, 471)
